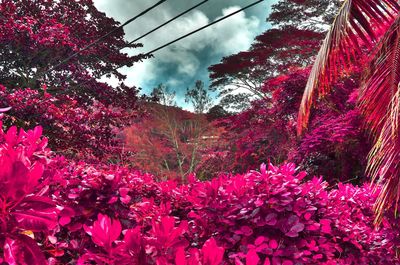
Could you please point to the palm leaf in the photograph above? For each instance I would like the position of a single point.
(357, 20)
(380, 104)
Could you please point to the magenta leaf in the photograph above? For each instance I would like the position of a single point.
(66, 215)
(104, 231)
(212, 254)
(271, 219)
(252, 258)
(295, 230)
(133, 240)
(180, 258)
(37, 202)
(259, 240)
(167, 234)
(273, 244)
(36, 220)
(326, 226)
(23, 250)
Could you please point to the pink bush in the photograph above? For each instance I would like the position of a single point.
(27, 209)
(74, 129)
(55, 211)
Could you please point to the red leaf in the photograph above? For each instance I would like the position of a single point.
(252, 258)
(212, 254)
(36, 220)
(180, 258)
(23, 251)
(104, 231)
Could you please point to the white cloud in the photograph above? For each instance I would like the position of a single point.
(235, 33)
(227, 37)
(174, 82)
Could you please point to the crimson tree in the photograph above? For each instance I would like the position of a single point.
(36, 38)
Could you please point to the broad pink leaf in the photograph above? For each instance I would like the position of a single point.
(4, 109)
(23, 250)
(104, 231)
(36, 220)
(180, 258)
(252, 258)
(212, 254)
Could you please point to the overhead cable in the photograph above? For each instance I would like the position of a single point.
(97, 41)
(204, 27)
(183, 37)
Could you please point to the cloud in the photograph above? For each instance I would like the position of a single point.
(173, 82)
(182, 63)
(234, 34)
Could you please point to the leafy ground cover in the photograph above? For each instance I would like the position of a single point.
(85, 201)
(56, 211)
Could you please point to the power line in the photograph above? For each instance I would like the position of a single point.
(204, 27)
(147, 33)
(151, 31)
(184, 36)
(167, 22)
(193, 32)
(105, 36)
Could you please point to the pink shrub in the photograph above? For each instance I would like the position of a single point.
(74, 129)
(55, 211)
(26, 207)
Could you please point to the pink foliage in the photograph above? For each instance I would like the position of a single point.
(26, 206)
(62, 212)
(74, 129)
(104, 231)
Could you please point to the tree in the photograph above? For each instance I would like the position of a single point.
(282, 56)
(277, 51)
(314, 15)
(199, 97)
(265, 131)
(273, 52)
(169, 142)
(216, 112)
(163, 95)
(240, 77)
(36, 38)
(358, 29)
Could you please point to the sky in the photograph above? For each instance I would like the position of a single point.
(180, 65)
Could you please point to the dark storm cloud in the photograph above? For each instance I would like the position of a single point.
(181, 64)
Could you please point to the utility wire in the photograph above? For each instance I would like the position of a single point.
(195, 31)
(204, 27)
(149, 32)
(105, 36)
(183, 37)
(169, 21)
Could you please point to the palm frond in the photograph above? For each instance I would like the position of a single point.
(380, 104)
(357, 20)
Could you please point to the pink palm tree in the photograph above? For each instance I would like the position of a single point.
(368, 28)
